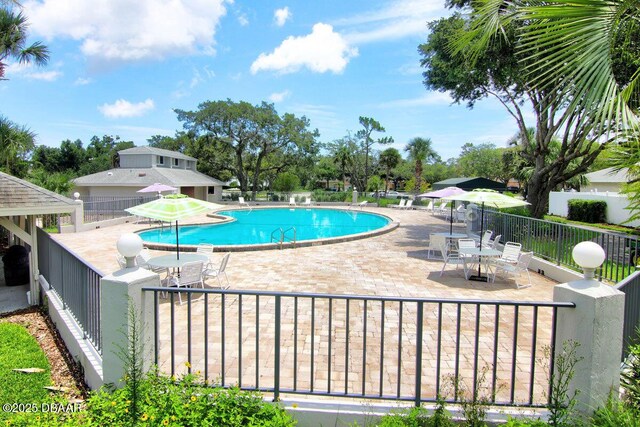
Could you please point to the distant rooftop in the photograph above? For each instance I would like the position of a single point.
(142, 177)
(608, 175)
(157, 152)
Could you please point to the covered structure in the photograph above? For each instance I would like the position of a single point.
(470, 184)
(21, 202)
(606, 180)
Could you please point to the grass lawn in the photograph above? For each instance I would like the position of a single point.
(18, 349)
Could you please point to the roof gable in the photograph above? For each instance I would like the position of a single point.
(20, 197)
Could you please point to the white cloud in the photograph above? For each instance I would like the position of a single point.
(48, 76)
(281, 16)
(129, 30)
(124, 108)
(81, 81)
(429, 98)
(321, 51)
(27, 71)
(399, 18)
(243, 20)
(279, 96)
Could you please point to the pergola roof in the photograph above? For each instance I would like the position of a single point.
(19, 197)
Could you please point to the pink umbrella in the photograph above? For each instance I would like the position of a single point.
(156, 188)
(445, 192)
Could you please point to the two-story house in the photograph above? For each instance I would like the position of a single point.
(143, 166)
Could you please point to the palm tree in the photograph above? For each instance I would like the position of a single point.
(342, 157)
(389, 159)
(15, 143)
(420, 151)
(13, 38)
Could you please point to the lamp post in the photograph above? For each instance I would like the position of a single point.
(129, 245)
(589, 256)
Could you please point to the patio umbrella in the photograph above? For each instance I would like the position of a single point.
(156, 188)
(445, 192)
(173, 207)
(491, 198)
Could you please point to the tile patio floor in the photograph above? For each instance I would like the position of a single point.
(393, 265)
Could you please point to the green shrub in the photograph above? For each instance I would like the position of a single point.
(513, 422)
(589, 211)
(419, 417)
(616, 414)
(630, 377)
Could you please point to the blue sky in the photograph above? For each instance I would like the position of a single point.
(120, 67)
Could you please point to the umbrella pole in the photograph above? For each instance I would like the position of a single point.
(453, 202)
(177, 242)
(480, 277)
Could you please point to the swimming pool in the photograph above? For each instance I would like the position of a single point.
(256, 227)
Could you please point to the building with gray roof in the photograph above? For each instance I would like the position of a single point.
(144, 166)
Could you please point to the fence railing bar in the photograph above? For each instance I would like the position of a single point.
(399, 373)
(277, 338)
(456, 375)
(223, 335)
(496, 335)
(329, 345)
(419, 332)
(514, 351)
(313, 340)
(346, 346)
(382, 314)
(532, 367)
(206, 336)
(364, 347)
(258, 340)
(189, 333)
(173, 335)
(476, 345)
(240, 341)
(439, 349)
(295, 343)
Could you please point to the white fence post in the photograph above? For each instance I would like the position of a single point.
(596, 324)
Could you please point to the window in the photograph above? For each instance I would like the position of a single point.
(161, 160)
(176, 162)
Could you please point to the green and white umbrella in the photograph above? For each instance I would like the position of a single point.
(491, 198)
(173, 207)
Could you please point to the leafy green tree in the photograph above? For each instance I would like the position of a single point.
(367, 142)
(420, 151)
(16, 143)
(343, 159)
(258, 138)
(389, 159)
(375, 183)
(325, 169)
(286, 182)
(477, 54)
(58, 182)
(13, 39)
(102, 154)
(484, 160)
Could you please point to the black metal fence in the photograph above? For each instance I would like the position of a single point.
(101, 208)
(359, 346)
(554, 242)
(631, 288)
(76, 283)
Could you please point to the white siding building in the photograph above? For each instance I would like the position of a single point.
(143, 166)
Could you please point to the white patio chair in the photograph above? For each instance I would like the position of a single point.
(212, 271)
(435, 241)
(468, 243)
(493, 243)
(190, 276)
(241, 201)
(307, 201)
(486, 237)
(292, 201)
(361, 205)
(442, 210)
(121, 261)
(510, 255)
(521, 266)
(408, 205)
(452, 257)
(143, 257)
(400, 204)
(205, 249)
(429, 207)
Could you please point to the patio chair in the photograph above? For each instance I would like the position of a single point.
(434, 245)
(292, 201)
(190, 276)
(212, 271)
(452, 257)
(409, 205)
(361, 205)
(307, 201)
(241, 201)
(492, 244)
(521, 266)
(486, 237)
(510, 255)
(468, 243)
(205, 249)
(400, 205)
(429, 207)
(442, 210)
(143, 257)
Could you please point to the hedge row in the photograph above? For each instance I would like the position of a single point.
(590, 211)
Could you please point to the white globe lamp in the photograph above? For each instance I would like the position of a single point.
(129, 245)
(589, 256)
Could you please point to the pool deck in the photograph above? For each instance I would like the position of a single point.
(392, 264)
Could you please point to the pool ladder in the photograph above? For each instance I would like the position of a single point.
(282, 236)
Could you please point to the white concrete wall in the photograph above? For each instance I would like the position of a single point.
(612, 187)
(616, 205)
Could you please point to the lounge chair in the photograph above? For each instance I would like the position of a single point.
(409, 205)
(190, 276)
(217, 271)
(361, 205)
(441, 210)
(400, 205)
(241, 201)
(307, 201)
(292, 201)
(522, 266)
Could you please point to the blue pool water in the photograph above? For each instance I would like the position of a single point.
(256, 226)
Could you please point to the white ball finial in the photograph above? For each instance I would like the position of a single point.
(76, 195)
(129, 245)
(589, 256)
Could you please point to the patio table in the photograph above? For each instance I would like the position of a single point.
(171, 260)
(480, 253)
